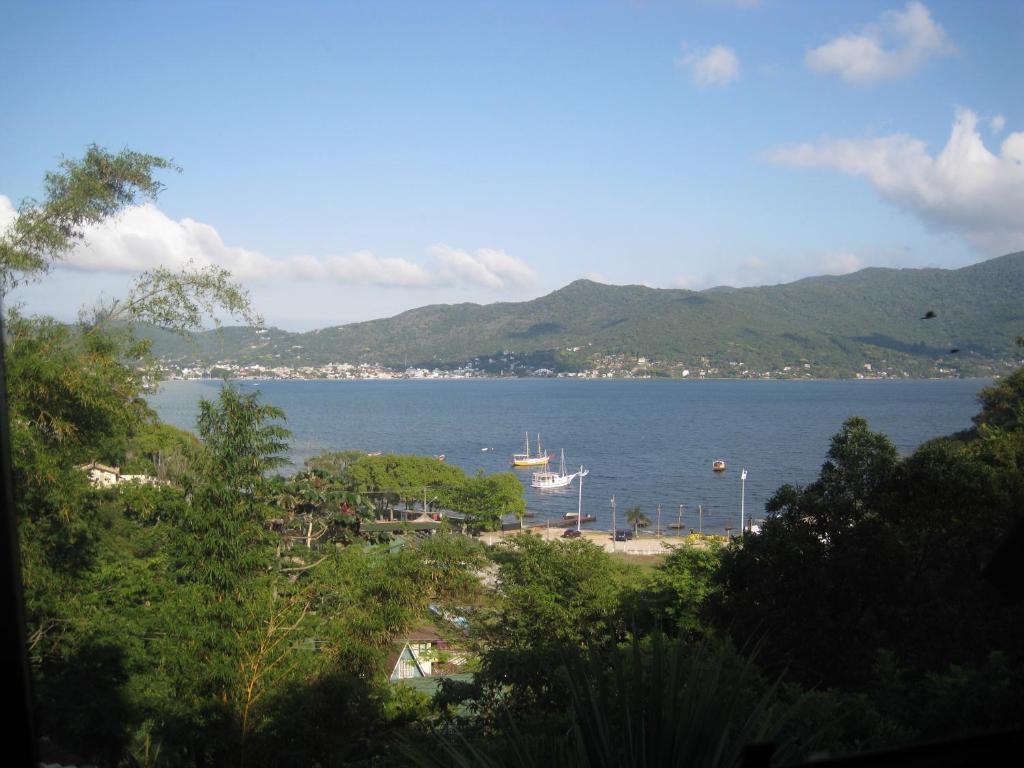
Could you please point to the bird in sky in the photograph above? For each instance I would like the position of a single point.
(929, 314)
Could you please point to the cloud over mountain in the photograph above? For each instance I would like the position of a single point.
(487, 267)
(143, 237)
(897, 45)
(964, 189)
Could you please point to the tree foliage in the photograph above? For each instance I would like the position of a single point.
(391, 479)
(558, 599)
(82, 193)
(636, 517)
(192, 621)
(879, 554)
(220, 540)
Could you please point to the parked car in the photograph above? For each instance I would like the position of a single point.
(571, 533)
(623, 535)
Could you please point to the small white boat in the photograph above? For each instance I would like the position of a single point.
(718, 465)
(560, 479)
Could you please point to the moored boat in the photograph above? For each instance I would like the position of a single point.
(549, 479)
(526, 460)
(718, 465)
(570, 520)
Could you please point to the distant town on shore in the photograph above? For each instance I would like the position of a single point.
(872, 324)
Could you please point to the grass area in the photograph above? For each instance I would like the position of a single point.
(647, 562)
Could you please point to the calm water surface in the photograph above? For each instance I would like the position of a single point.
(645, 442)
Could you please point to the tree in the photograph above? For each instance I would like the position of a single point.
(487, 499)
(878, 554)
(1002, 404)
(94, 562)
(228, 610)
(810, 579)
(333, 463)
(392, 478)
(673, 596)
(232, 500)
(558, 599)
(636, 516)
(83, 192)
(859, 462)
(160, 450)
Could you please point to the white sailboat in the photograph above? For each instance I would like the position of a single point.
(549, 479)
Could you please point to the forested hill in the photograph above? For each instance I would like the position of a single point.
(834, 324)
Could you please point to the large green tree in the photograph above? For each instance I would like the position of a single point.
(878, 554)
(557, 599)
(93, 567)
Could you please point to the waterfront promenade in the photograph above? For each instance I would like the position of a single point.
(645, 545)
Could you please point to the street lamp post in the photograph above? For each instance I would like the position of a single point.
(613, 524)
(743, 494)
(579, 509)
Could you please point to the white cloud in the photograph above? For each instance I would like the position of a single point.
(717, 65)
(965, 188)
(487, 267)
(143, 237)
(840, 263)
(897, 45)
(365, 267)
(7, 213)
(688, 282)
(997, 123)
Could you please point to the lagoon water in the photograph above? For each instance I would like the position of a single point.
(645, 442)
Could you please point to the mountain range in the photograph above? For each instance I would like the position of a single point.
(834, 324)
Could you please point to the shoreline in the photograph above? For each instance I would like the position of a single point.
(646, 545)
(865, 379)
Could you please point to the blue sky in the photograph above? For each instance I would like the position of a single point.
(350, 161)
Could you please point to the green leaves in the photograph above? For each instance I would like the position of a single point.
(222, 543)
(880, 552)
(637, 518)
(243, 445)
(557, 598)
(391, 478)
(859, 463)
(1003, 403)
(177, 300)
(82, 193)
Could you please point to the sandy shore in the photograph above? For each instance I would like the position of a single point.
(645, 545)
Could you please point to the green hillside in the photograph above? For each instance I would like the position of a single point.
(836, 324)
